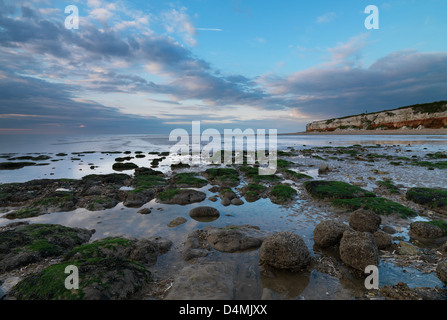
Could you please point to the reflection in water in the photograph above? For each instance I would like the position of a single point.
(283, 283)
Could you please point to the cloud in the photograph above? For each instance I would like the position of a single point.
(59, 112)
(398, 79)
(209, 29)
(178, 21)
(327, 17)
(49, 76)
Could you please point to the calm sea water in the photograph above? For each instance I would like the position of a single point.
(95, 148)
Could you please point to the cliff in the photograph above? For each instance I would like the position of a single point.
(430, 116)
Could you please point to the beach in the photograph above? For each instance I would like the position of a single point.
(211, 222)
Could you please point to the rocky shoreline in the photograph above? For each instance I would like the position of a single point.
(361, 227)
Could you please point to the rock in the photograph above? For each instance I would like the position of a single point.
(176, 222)
(330, 190)
(237, 202)
(407, 249)
(383, 240)
(284, 250)
(193, 246)
(441, 271)
(227, 193)
(420, 229)
(25, 244)
(401, 291)
(100, 279)
(282, 194)
(138, 199)
(234, 238)
(120, 166)
(15, 165)
(389, 229)
(443, 248)
(145, 211)
(358, 250)
(109, 268)
(208, 281)
(225, 202)
(181, 196)
(433, 198)
(364, 221)
(329, 233)
(213, 198)
(323, 169)
(204, 212)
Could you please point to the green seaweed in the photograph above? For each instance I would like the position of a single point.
(433, 198)
(326, 190)
(283, 192)
(378, 205)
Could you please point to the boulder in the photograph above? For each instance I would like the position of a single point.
(383, 240)
(109, 269)
(443, 248)
(323, 169)
(364, 221)
(145, 211)
(23, 244)
(237, 202)
(328, 233)
(420, 229)
(285, 250)
(193, 246)
(138, 199)
(441, 271)
(407, 249)
(181, 196)
(359, 250)
(234, 238)
(204, 212)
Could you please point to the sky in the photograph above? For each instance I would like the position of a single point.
(151, 66)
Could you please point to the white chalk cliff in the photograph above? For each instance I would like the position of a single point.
(429, 115)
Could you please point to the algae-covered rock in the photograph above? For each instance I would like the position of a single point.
(110, 268)
(328, 190)
(120, 166)
(29, 243)
(180, 196)
(222, 176)
(188, 180)
(378, 205)
(282, 194)
(425, 230)
(435, 199)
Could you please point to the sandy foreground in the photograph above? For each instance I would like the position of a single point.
(376, 132)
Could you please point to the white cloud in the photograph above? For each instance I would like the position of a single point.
(178, 22)
(327, 17)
